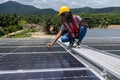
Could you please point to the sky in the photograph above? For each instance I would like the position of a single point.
(56, 4)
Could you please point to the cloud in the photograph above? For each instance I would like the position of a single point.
(97, 3)
(24, 0)
(2, 1)
(73, 3)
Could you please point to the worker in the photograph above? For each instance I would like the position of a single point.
(75, 26)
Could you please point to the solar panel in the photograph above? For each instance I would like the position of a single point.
(6, 50)
(106, 41)
(7, 40)
(115, 52)
(30, 59)
(107, 47)
(25, 44)
(38, 61)
(112, 46)
(103, 33)
(56, 75)
(39, 49)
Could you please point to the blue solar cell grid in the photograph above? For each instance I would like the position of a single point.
(27, 55)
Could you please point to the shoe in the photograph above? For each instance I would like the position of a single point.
(78, 44)
(71, 43)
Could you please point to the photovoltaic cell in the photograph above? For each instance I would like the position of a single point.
(115, 52)
(40, 44)
(6, 40)
(107, 47)
(39, 49)
(6, 50)
(38, 61)
(112, 46)
(25, 44)
(41, 40)
(57, 75)
(12, 44)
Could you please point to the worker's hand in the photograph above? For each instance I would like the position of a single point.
(49, 44)
(85, 21)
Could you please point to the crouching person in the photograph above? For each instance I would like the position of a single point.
(75, 26)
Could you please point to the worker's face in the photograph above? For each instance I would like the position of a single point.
(63, 17)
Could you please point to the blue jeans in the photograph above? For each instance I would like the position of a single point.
(81, 35)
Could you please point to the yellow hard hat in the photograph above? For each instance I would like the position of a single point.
(64, 9)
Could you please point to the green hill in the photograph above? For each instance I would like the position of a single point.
(98, 10)
(11, 7)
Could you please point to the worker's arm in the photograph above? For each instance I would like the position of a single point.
(55, 39)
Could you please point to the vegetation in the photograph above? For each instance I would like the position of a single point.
(11, 23)
(25, 33)
(102, 20)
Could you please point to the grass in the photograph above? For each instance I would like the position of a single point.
(25, 33)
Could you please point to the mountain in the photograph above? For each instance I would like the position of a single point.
(11, 7)
(98, 10)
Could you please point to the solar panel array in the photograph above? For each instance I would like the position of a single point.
(110, 45)
(30, 59)
(107, 40)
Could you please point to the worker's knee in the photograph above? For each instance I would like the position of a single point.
(64, 38)
(83, 28)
